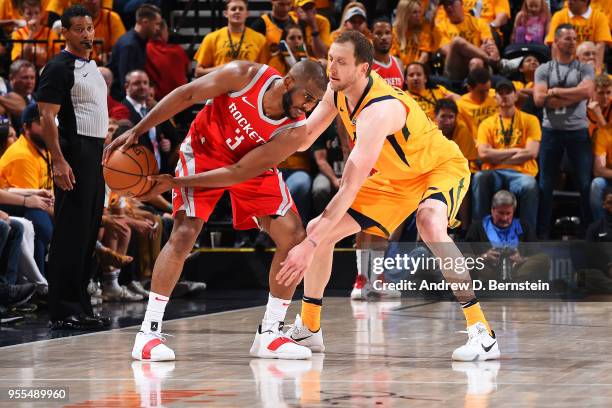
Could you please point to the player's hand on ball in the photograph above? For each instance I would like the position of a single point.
(296, 264)
(163, 183)
(123, 142)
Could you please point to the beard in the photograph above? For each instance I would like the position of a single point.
(38, 141)
(287, 103)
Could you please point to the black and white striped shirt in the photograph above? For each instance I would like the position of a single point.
(78, 87)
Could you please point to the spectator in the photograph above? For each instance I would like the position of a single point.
(22, 77)
(7, 137)
(527, 68)
(161, 140)
(479, 103)
(462, 37)
(563, 87)
(27, 165)
(354, 17)
(599, 110)
(116, 110)
(130, 51)
(586, 53)
(108, 28)
(447, 119)
(73, 92)
(35, 29)
(272, 25)
(167, 64)
(11, 234)
(601, 229)
(602, 170)
(426, 94)
(589, 25)
(531, 23)
(291, 50)
(413, 33)
(386, 65)
(329, 158)
(234, 42)
(508, 146)
(15, 295)
(55, 8)
(316, 27)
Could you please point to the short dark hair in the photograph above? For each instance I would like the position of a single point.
(71, 12)
(478, 76)
(417, 63)
(307, 70)
(562, 27)
(246, 3)
(446, 103)
(364, 50)
(148, 11)
(381, 19)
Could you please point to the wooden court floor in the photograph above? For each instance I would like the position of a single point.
(555, 354)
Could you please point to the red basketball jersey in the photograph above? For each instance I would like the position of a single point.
(231, 125)
(390, 72)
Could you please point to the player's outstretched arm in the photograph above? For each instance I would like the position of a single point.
(250, 165)
(229, 78)
(320, 119)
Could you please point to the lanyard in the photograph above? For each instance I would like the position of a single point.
(431, 101)
(49, 167)
(562, 82)
(235, 52)
(507, 133)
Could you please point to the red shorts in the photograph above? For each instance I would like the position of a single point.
(266, 194)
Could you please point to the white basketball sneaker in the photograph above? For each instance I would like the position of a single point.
(273, 343)
(360, 288)
(302, 335)
(479, 347)
(151, 347)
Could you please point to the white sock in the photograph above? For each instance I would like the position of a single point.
(111, 280)
(362, 257)
(155, 313)
(276, 310)
(374, 253)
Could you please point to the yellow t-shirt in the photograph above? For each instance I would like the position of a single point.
(524, 127)
(428, 99)
(605, 6)
(108, 27)
(58, 6)
(413, 49)
(323, 26)
(607, 114)
(215, 49)
(473, 113)
(594, 28)
(472, 29)
(465, 140)
(603, 146)
(416, 149)
(22, 166)
(44, 34)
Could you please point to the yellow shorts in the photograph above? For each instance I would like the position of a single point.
(382, 205)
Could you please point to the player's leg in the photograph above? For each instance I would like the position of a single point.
(432, 221)
(166, 272)
(270, 342)
(367, 248)
(307, 328)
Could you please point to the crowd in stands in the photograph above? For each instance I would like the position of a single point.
(521, 86)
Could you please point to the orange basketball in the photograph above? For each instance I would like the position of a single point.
(126, 172)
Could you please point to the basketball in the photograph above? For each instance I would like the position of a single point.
(126, 172)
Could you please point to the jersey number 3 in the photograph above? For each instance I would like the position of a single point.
(235, 143)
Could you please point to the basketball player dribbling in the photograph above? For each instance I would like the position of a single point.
(247, 105)
(401, 163)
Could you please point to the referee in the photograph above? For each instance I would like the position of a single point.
(72, 89)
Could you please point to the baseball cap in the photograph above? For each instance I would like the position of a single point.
(354, 11)
(504, 84)
(302, 3)
(30, 113)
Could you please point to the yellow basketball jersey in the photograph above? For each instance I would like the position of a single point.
(416, 149)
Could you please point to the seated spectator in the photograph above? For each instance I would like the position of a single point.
(130, 51)
(290, 50)
(389, 67)
(412, 32)
(423, 92)
(7, 137)
(22, 77)
(589, 25)
(501, 235)
(116, 109)
(35, 29)
(55, 8)
(586, 53)
(601, 229)
(563, 87)
(11, 234)
(527, 68)
(602, 163)
(108, 28)
(27, 165)
(599, 109)
(162, 139)
(272, 25)
(329, 158)
(354, 17)
(508, 146)
(479, 103)
(167, 64)
(462, 37)
(316, 27)
(234, 42)
(531, 23)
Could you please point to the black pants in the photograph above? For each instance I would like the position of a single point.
(77, 220)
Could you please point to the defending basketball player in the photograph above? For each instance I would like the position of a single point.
(247, 105)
